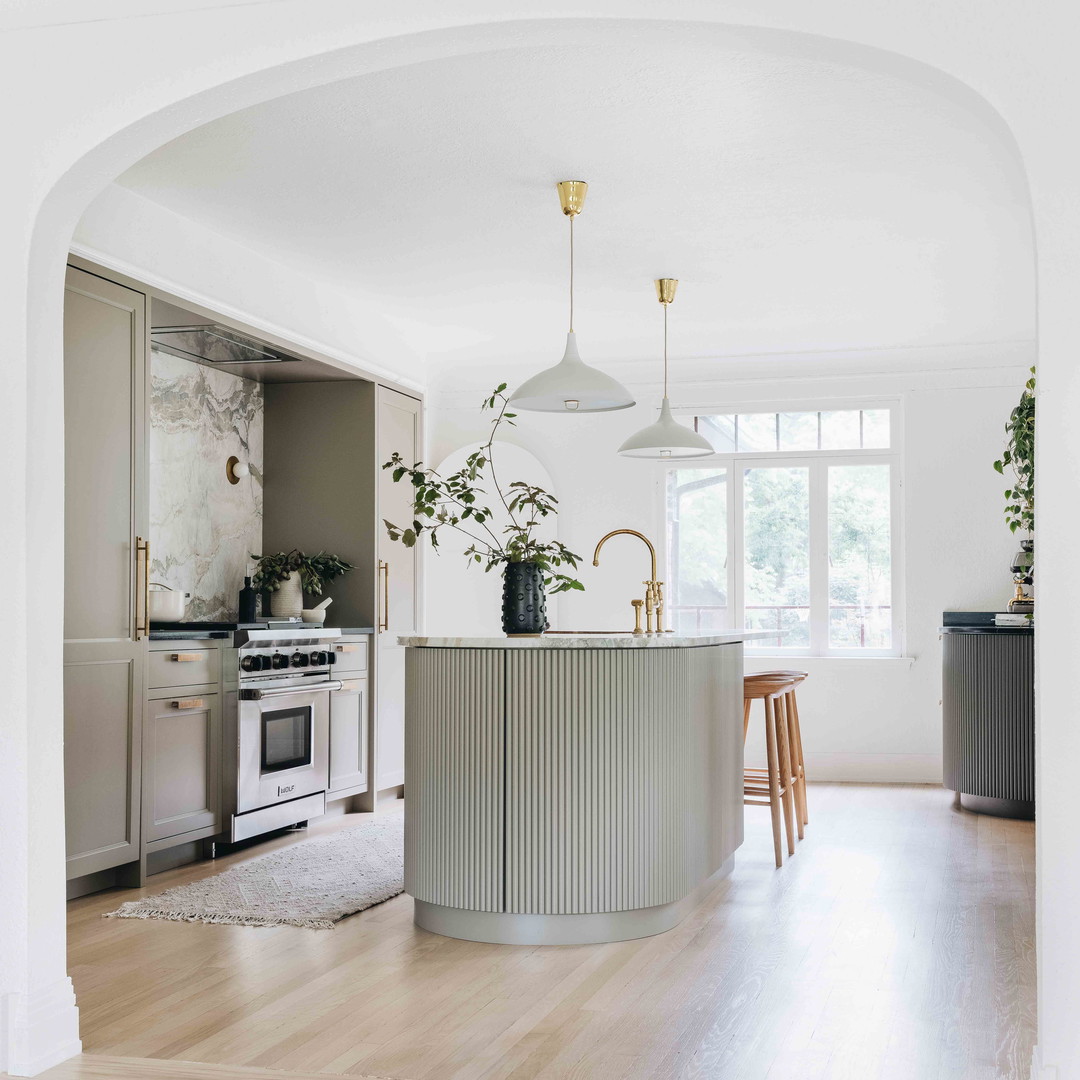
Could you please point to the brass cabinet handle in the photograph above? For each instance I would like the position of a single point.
(185, 657)
(351, 686)
(384, 618)
(189, 703)
(347, 648)
(142, 586)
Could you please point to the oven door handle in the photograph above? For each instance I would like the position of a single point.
(253, 694)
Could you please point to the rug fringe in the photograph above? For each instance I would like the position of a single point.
(227, 920)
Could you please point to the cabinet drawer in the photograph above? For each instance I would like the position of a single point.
(350, 656)
(184, 667)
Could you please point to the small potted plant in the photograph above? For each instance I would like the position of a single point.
(530, 564)
(289, 574)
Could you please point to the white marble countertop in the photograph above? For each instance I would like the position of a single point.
(613, 640)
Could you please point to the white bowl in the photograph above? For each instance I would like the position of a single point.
(312, 616)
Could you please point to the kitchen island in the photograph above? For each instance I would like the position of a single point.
(568, 789)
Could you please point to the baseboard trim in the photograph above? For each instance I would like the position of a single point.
(40, 1029)
(867, 768)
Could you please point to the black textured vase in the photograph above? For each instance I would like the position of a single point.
(524, 609)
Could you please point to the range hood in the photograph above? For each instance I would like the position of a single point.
(214, 344)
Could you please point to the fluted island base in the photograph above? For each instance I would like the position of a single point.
(570, 795)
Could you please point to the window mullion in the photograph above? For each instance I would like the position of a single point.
(819, 558)
(737, 601)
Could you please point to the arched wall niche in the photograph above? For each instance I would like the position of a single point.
(73, 152)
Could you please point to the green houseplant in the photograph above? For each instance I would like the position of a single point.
(506, 538)
(1019, 457)
(287, 575)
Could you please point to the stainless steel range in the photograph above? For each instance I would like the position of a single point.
(277, 735)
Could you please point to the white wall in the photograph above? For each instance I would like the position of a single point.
(129, 233)
(864, 719)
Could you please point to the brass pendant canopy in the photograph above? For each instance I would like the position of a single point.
(665, 289)
(571, 385)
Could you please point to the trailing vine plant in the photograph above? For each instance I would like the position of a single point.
(456, 503)
(1019, 457)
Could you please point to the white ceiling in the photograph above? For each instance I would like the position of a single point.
(805, 205)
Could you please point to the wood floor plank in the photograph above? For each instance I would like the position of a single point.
(898, 941)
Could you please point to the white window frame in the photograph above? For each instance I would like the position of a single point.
(818, 462)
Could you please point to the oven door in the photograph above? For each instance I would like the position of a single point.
(283, 746)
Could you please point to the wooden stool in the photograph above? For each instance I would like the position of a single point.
(798, 762)
(772, 786)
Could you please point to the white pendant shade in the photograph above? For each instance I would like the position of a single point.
(572, 386)
(667, 438)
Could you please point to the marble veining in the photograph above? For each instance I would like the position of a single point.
(202, 528)
(586, 641)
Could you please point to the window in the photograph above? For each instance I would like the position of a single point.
(791, 528)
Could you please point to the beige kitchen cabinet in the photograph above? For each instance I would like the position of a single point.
(105, 566)
(348, 735)
(400, 430)
(182, 767)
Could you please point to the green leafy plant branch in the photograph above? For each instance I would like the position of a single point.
(457, 503)
(1019, 457)
(315, 570)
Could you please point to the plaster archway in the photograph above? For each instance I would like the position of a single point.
(41, 1013)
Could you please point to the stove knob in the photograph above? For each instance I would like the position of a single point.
(251, 663)
(279, 660)
(298, 659)
(318, 659)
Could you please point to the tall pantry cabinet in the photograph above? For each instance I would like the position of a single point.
(400, 430)
(106, 562)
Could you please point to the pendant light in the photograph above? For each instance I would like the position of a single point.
(571, 385)
(667, 438)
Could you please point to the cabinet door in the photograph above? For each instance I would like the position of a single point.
(400, 431)
(105, 510)
(348, 735)
(182, 785)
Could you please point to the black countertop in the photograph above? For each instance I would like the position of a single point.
(211, 631)
(978, 622)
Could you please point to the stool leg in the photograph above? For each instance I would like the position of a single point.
(774, 779)
(785, 765)
(796, 764)
(747, 702)
(799, 755)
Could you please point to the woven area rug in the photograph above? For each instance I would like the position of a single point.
(311, 884)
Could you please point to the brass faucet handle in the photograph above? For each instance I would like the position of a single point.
(638, 605)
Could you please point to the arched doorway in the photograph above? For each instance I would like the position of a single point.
(43, 1011)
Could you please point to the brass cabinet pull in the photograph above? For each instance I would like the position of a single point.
(189, 703)
(347, 648)
(142, 587)
(352, 686)
(384, 618)
(186, 657)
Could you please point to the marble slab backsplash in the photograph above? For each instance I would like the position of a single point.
(202, 528)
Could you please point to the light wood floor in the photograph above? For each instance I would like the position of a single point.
(897, 944)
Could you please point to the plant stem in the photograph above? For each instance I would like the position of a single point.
(491, 457)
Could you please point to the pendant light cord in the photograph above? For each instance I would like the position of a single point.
(665, 350)
(571, 273)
